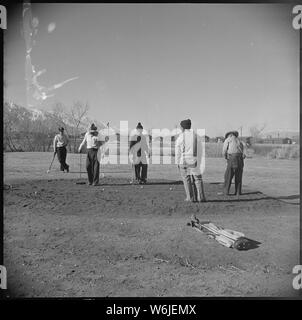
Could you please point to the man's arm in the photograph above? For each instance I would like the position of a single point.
(55, 144)
(133, 141)
(98, 143)
(178, 149)
(82, 143)
(243, 146)
(225, 148)
(147, 146)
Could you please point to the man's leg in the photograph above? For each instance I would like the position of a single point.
(199, 188)
(228, 178)
(140, 172)
(137, 173)
(144, 172)
(96, 168)
(89, 167)
(60, 158)
(194, 190)
(240, 176)
(238, 181)
(187, 183)
(64, 155)
(67, 166)
(225, 177)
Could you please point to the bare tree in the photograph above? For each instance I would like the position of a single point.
(78, 119)
(17, 124)
(60, 115)
(257, 130)
(8, 127)
(25, 130)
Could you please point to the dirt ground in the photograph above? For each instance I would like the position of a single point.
(63, 239)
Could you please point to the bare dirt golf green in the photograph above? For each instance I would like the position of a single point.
(67, 239)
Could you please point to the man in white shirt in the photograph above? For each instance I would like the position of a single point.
(234, 152)
(92, 162)
(187, 159)
(59, 145)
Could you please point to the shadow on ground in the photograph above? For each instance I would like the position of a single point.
(251, 244)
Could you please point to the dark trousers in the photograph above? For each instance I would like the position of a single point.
(141, 171)
(234, 168)
(92, 166)
(62, 154)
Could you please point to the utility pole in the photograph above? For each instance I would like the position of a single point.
(241, 132)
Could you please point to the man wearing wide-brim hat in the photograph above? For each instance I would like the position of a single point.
(92, 162)
(235, 133)
(59, 145)
(234, 152)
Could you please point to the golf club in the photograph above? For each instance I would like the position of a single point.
(193, 186)
(102, 174)
(80, 165)
(80, 182)
(51, 162)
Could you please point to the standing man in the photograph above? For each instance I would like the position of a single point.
(139, 154)
(59, 145)
(92, 162)
(186, 155)
(234, 153)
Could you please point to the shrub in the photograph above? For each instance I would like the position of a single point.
(265, 149)
(284, 152)
(294, 152)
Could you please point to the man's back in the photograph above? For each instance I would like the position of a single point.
(186, 147)
(232, 145)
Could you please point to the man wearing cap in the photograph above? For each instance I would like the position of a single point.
(234, 152)
(92, 162)
(187, 158)
(139, 153)
(59, 145)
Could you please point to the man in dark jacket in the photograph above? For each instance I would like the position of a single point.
(233, 151)
(139, 153)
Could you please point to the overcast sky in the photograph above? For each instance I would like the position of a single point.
(222, 66)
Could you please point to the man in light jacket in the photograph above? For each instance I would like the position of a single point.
(60, 143)
(92, 162)
(187, 160)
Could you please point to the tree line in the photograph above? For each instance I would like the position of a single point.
(34, 130)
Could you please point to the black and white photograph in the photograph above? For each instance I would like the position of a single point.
(151, 150)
